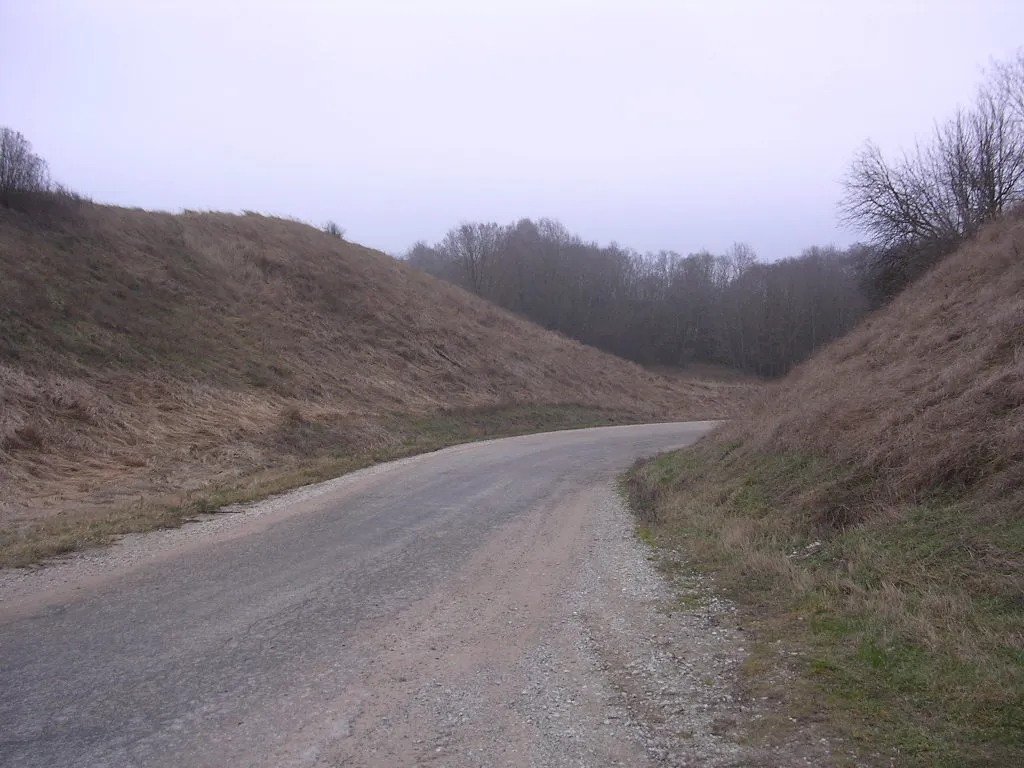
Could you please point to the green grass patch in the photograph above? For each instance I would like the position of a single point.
(900, 625)
(647, 535)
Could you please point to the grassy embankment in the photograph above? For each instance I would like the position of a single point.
(867, 515)
(63, 533)
(153, 366)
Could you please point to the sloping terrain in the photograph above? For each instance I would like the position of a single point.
(143, 353)
(869, 512)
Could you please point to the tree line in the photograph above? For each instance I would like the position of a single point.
(656, 308)
(670, 309)
(760, 318)
(25, 181)
(22, 171)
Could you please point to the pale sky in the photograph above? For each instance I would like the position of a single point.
(679, 125)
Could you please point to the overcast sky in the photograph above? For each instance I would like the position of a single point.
(681, 125)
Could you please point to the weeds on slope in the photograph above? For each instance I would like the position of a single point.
(902, 634)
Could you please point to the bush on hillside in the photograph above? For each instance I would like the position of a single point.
(22, 171)
(25, 183)
(334, 230)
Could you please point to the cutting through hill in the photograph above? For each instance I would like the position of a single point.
(155, 365)
(867, 511)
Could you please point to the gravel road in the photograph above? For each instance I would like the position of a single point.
(486, 605)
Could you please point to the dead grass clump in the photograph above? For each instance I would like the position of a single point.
(22, 437)
(645, 488)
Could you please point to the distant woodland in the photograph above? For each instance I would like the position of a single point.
(659, 308)
(729, 308)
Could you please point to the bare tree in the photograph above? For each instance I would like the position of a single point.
(474, 247)
(333, 229)
(921, 206)
(971, 171)
(997, 130)
(657, 308)
(895, 203)
(1008, 78)
(22, 171)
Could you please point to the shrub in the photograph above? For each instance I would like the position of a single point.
(22, 171)
(332, 229)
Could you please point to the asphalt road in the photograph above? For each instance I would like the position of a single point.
(305, 631)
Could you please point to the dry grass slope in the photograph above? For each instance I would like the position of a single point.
(148, 354)
(869, 511)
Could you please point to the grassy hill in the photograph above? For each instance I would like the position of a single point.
(177, 362)
(868, 514)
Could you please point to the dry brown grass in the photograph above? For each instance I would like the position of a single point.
(925, 395)
(707, 372)
(868, 513)
(144, 354)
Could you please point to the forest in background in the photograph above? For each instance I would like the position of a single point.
(761, 318)
(660, 308)
(667, 309)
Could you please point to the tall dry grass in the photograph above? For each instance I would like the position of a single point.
(926, 395)
(144, 353)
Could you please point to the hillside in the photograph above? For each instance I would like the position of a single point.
(148, 353)
(868, 514)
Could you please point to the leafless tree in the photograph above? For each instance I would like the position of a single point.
(660, 308)
(919, 207)
(22, 172)
(898, 202)
(997, 130)
(334, 230)
(474, 248)
(1008, 78)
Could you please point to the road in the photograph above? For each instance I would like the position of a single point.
(468, 607)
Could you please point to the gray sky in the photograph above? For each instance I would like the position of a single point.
(682, 125)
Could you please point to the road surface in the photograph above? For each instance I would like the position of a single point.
(476, 606)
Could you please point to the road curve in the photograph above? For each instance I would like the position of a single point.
(414, 613)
